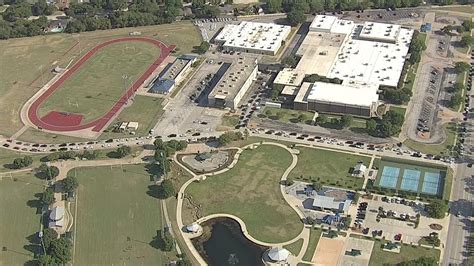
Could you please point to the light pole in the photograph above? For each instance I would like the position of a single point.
(40, 234)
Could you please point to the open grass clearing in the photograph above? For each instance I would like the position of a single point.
(38, 136)
(314, 236)
(230, 121)
(468, 9)
(95, 87)
(398, 109)
(20, 218)
(435, 149)
(288, 115)
(117, 219)
(27, 58)
(295, 247)
(330, 168)
(251, 191)
(407, 253)
(144, 110)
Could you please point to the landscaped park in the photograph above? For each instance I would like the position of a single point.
(251, 191)
(117, 219)
(21, 217)
(328, 167)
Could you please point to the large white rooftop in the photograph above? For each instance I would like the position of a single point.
(253, 35)
(348, 93)
(380, 31)
(365, 53)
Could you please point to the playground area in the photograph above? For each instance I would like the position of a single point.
(44, 113)
(411, 178)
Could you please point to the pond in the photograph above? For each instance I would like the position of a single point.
(222, 243)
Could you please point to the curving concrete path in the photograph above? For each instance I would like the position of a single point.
(304, 234)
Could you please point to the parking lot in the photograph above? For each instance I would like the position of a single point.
(399, 223)
(430, 101)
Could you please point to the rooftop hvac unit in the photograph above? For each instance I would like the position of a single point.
(241, 69)
(319, 25)
(238, 72)
(389, 67)
(226, 92)
(376, 71)
(269, 47)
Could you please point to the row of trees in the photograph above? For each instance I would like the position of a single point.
(58, 250)
(228, 137)
(25, 10)
(339, 123)
(316, 6)
(22, 162)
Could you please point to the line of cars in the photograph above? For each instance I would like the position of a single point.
(36, 147)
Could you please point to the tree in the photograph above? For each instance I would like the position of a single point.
(49, 171)
(322, 119)
(461, 67)
(301, 118)
(70, 183)
(273, 6)
(228, 137)
(437, 209)
(317, 186)
(123, 151)
(296, 16)
(184, 262)
(91, 155)
(289, 181)
(468, 24)
(60, 249)
(166, 241)
(458, 87)
(47, 197)
(346, 120)
(455, 100)
(466, 41)
(289, 61)
(49, 235)
(316, 6)
(370, 125)
(166, 189)
(22, 162)
(46, 260)
(203, 47)
(447, 29)
(164, 164)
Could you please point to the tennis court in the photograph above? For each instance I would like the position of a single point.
(389, 177)
(410, 180)
(411, 177)
(431, 183)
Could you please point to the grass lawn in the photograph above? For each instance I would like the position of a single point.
(144, 110)
(407, 253)
(230, 121)
(27, 58)
(314, 236)
(98, 84)
(116, 218)
(251, 191)
(295, 247)
(328, 167)
(435, 149)
(287, 115)
(398, 109)
(463, 9)
(19, 221)
(7, 157)
(38, 136)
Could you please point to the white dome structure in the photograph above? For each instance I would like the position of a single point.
(278, 254)
(193, 228)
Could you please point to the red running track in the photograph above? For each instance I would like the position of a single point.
(99, 124)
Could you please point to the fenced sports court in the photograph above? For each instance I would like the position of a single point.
(411, 177)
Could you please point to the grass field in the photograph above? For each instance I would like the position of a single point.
(7, 157)
(27, 58)
(19, 221)
(287, 115)
(99, 83)
(230, 121)
(251, 191)
(398, 109)
(295, 247)
(144, 110)
(38, 136)
(463, 9)
(314, 236)
(328, 167)
(435, 149)
(116, 218)
(416, 167)
(407, 253)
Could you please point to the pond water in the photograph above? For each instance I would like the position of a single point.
(222, 243)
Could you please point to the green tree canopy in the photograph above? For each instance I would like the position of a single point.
(461, 67)
(47, 197)
(123, 151)
(60, 249)
(296, 16)
(346, 120)
(437, 209)
(70, 183)
(166, 189)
